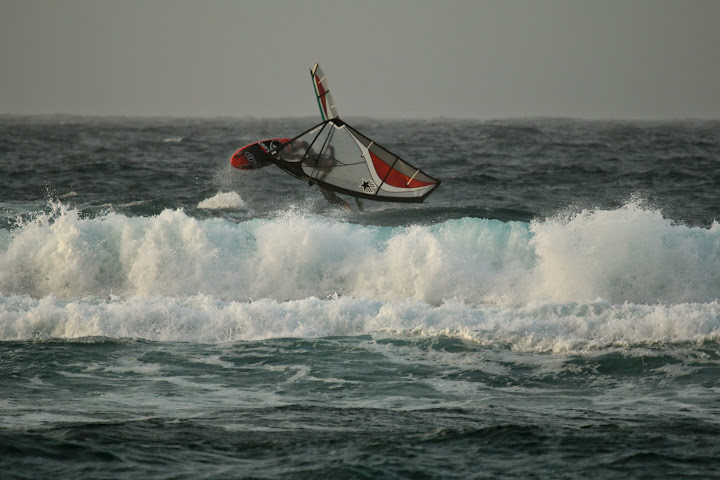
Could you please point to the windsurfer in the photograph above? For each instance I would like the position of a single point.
(322, 164)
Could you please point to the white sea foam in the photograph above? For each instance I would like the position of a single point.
(223, 201)
(592, 278)
(631, 254)
(540, 328)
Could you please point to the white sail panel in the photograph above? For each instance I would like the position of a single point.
(325, 100)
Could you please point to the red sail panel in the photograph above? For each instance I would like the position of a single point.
(394, 178)
(321, 95)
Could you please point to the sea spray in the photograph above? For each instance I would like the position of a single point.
(223, 201)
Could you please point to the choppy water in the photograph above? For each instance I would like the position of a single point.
(550, 312)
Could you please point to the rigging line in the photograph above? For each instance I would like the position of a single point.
(323, 95)
(310, 148)
(317, 159)
(367, 149)
(275, 151)
(317, 93)
(392, 167)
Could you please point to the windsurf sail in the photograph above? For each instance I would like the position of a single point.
(325, 100)
(337, 157)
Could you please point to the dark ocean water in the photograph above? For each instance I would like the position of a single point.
(551, 311)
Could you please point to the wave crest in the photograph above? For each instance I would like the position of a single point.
(631, 254)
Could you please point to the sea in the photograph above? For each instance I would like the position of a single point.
(551, 310)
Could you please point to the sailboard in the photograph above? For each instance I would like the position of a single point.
(256, 155)
(336, 156)
(325, 100)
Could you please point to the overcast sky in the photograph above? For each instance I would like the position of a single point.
(632, 59)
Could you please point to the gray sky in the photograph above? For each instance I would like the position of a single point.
(636, 59)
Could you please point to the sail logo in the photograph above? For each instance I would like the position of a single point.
(368, 186)
(250, 157)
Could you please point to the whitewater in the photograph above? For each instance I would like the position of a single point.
(551, 311)
(592, 278)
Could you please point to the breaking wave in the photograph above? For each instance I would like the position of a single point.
(597, 276)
